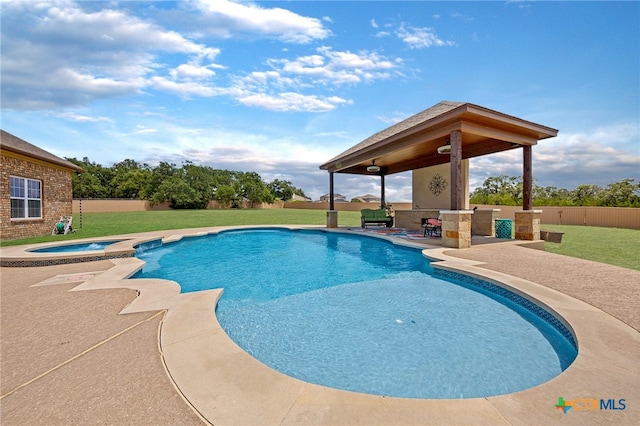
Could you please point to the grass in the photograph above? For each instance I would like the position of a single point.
(105, 224)
(614, 246)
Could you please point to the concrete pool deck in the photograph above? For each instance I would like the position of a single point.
(70, 357)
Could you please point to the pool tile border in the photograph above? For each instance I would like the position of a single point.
(60, 261)
(521, 301)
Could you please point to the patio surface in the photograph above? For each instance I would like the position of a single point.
(140, 353)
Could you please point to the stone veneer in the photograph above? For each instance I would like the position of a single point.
(56, 196)
(412, 219)
(528, 225)
(456, 228)
(484, 222)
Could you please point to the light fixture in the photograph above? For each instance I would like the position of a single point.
(445, 149)
(373, 167)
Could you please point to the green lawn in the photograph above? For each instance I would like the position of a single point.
(615, 246)
(607, 245)
(104, 224)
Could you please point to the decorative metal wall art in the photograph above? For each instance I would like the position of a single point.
(438, 184)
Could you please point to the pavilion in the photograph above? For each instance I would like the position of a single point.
(439, 138)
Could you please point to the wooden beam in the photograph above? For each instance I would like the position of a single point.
(455, 139)
(527, 179)
(331, 202)
(418, 162)
(487, 147)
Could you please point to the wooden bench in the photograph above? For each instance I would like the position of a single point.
(378, 216)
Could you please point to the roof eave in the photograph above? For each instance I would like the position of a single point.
(64, 163)
(441, 119)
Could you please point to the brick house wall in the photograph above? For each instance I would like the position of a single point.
(56, 195)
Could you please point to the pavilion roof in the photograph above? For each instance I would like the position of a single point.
(413, 143)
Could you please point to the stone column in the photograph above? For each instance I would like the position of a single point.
(332, 219)
(483, 222)
(456, 228)
(332, 214)
(528, 225)
(331, 196)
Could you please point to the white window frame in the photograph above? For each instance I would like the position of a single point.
(24, 193)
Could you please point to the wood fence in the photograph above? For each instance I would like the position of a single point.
(127, 205)
(610, 217)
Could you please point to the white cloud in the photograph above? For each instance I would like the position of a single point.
(195, 69)
(74, 57)
(356, 61)
(458, 15)
(282, 87)
(522, 4)
(191, 72)
(79, 118)
(336, 68)
(259, 81)
(58, 55)
(572, 159)
(290, 101)
(396, 117)
(333, 135)
(142, 129)
(227, 18)
(186, 90)
(109, 29)
(419, 38)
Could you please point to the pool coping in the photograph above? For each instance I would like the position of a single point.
(227, 386)
(23, 256)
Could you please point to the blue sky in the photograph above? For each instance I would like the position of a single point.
(281, 87)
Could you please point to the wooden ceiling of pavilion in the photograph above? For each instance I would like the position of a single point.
(413, 143)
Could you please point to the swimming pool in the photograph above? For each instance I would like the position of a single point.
(358, 313)
(72, 248)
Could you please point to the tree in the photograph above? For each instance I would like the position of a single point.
(251, 188)
(132, 184)
(177, 192)
(585, 195)
(622, 194)
(95, 182)
(201, 180)
(501, 190)
(226, 195)
(550, 196)
(284, 190)
(131, 179)
(164, 171)
(505, 190)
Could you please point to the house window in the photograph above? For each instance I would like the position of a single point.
(26, 198)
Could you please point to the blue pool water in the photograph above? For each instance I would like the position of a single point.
(358, 313)
(71, 248)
